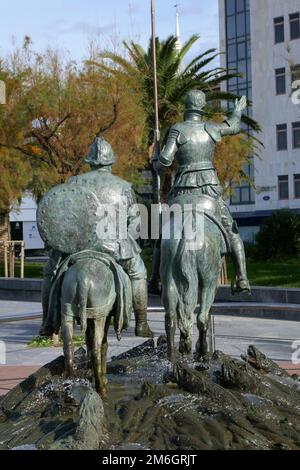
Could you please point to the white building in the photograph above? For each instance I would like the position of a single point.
(262, 39)
(23, 224)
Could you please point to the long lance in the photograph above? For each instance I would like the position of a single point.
(156, 132)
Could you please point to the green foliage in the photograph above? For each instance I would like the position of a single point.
(273, 273)
(175, 78)
(45, 342)
(14, 178)
(55, 107)
(279, 236)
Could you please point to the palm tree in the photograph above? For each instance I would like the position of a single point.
(175, 79)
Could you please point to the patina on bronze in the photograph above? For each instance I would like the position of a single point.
(78, 282)
(184, 274)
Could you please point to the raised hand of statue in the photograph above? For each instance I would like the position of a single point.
(240, 105)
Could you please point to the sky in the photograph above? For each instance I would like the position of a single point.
(71, 24)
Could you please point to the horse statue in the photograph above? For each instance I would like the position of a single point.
(190, 272)
(186, 272)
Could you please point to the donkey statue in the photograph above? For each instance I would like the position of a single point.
(94, 290)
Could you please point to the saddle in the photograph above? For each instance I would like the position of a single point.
(202, 205)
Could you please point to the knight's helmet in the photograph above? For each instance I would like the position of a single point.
(100, 153)
(195, 101)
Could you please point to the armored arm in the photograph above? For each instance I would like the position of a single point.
(230, 126)
(167, 154)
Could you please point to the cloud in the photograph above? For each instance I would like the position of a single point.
(83, 27)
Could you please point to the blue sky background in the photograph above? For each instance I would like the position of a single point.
(71, 24)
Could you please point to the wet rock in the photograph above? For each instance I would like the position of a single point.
(235, 374)
(223, 403)
(90, 430)
(122, 366)
(145, 348)
(197, 382)
(260, 361)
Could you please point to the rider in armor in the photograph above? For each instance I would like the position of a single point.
(192, 145)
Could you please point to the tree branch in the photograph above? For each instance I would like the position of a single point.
(25, 152)
(113, 120)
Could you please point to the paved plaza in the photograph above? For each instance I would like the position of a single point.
(20, 321)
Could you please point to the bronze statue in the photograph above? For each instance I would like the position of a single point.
(94, 290)
(76, 230)
(90, 278)
(191, 144)
(186, 274)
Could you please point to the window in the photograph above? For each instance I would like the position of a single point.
(244, 194)
(230, 7)
(242, 66)
(231, 53)
(296, 135)
(297, 186)
(279, 29)
(248, 28)
(248, 49)
(280, 81)
(241, 51)
(240, 24)
(282, 137)
(283, 187)
(295, 26)
(231, 29)
(240, 5)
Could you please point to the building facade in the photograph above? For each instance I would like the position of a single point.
(261, 39)
(23, 225)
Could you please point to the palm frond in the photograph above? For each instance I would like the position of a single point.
(187, 45)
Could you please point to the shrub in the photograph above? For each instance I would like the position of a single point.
(279, 236)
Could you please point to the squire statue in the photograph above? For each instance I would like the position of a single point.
(67, 221)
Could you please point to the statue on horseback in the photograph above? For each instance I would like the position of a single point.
(93, 271)
(191, 144)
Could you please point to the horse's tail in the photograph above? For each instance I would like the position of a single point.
(185, 274)
(82, 304)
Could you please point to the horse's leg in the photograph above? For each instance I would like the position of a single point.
(67, 336)
(96, 355)
(169, 302)
(89, 335)
(207, 297)
(185, 325)
(104, 348)
(170, 320)
(170, 326)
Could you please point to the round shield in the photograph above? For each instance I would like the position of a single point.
(67, 218)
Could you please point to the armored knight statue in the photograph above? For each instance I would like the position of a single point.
(192, 144)
(116, 193)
